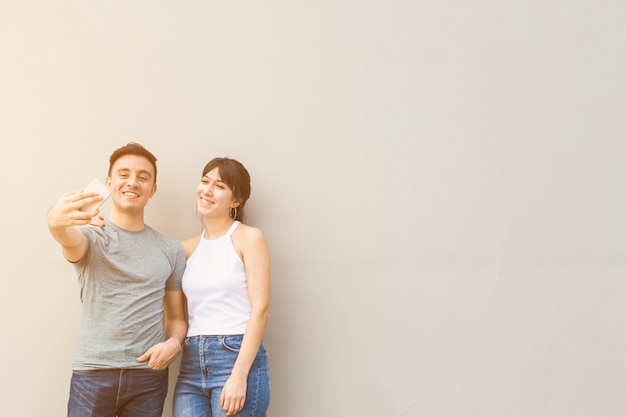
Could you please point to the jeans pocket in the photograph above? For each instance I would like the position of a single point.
(232, 343)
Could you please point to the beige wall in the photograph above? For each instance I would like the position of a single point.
(441, 184)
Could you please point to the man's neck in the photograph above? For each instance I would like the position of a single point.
(128, 221)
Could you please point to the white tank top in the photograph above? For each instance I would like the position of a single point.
(216, 288)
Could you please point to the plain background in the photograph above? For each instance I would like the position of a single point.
(441, 183)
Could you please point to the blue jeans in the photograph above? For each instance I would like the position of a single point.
(206, 364)
(117, 392)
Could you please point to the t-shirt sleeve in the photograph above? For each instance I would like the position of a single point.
(174, 282)
(89, 234)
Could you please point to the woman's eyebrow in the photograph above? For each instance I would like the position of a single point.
(217, 180)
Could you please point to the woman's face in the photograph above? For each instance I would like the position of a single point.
(214, 197)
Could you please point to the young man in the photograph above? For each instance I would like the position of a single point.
(133, 322)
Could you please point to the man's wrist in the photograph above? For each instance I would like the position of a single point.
(173, 340)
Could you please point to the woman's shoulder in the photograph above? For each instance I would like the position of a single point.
(190, 245)
(247, 232)
(249, 241)
(246, 236)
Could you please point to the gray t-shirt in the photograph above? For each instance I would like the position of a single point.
(123, 278)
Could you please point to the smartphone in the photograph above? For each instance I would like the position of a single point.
(98, 187)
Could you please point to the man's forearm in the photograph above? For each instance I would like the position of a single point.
(176, 329)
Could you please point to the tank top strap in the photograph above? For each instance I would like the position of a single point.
(232, 228)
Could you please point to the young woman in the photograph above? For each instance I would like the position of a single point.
(224, 368)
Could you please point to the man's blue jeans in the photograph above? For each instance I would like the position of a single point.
(117, 392)
(206, 364)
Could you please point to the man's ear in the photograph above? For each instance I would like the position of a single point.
(154, 189)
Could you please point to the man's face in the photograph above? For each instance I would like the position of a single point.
(131, 182)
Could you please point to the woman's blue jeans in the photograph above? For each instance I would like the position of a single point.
(117, 392)
(206, 364)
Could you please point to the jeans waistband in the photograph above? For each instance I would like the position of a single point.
(212, 336)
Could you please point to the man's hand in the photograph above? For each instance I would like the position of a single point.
(97, 221)
(65, 215)
(162, 354)
(66, 212)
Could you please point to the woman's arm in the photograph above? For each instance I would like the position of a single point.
(252, 247)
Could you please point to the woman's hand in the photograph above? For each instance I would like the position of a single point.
(233, 395)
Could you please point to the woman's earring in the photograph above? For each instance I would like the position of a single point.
(230, 213)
